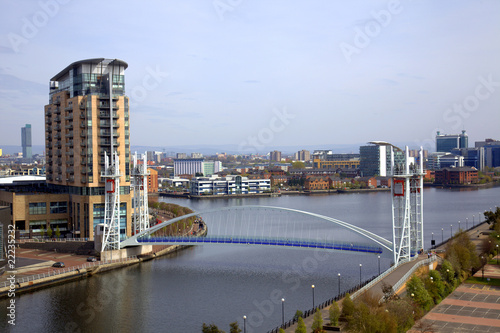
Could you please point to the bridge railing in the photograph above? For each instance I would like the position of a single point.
(53, 272)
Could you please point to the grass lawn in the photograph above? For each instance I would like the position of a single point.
(478, 280)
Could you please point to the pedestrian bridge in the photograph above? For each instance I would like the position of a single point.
(263, 226)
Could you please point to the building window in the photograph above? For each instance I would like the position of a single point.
(60, 207)
(37, 208)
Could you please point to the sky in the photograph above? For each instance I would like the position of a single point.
(264, 74)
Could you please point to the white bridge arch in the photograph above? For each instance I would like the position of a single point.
(372, 243)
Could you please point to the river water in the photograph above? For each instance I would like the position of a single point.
(219, 284)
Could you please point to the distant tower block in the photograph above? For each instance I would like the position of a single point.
(139, 178)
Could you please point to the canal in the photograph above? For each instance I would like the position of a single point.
(220, 284)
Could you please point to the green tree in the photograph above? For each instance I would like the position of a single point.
(281, 330)
(298, 314)
(348, 307)
(234, 328)
(212, 328)
(58, 232)
(416, 289)
(301, 327)
(317, 325)
(49, 231)
(334, 314)
(298, 165)
(402, 311)
(448, 276)
(42, 231)
(435, 286)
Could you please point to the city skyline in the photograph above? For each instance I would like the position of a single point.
(261, 76)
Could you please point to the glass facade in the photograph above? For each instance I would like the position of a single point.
(99, 216)
(60, 207)
(37, 208)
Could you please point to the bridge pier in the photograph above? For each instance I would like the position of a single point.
(132, 251)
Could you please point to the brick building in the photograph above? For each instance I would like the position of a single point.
(460, 176)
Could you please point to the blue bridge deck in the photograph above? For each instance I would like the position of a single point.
(339, 246)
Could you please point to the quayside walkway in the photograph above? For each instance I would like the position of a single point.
(392, 276)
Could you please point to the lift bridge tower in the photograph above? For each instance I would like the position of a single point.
(407, 203)
(139, 178)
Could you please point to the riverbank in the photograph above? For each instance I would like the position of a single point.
(274, 194)
(36, 270)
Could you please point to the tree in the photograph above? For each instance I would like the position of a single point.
(212, 328)
(317, 325)
(281, 330)
(402, 311)
(298, 314)
(435, 286)
(347, 307)
(49, 231)
(301, 327)
(298, 165)
(234, 328)
(58, 232)
(388, 292)
(448, 276)
(334, 314)
(416, 289)
(42, 231)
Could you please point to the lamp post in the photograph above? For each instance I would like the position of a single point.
(473, 217)
(451, 230)
(497, 254)
(244, 324)
(432, 242)
(442, 235)
(482, 262)
(282, 312)
(467, 223)
(339, 285)
(458, 225)
(313, 295)
(360, 274)
(379, 264)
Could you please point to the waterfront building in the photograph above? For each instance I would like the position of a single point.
(81, 128)
(456, 176)
(375, 160)
(181, 155)
(491, 152)
(473, 157)
(441, 160)
(231, 184)
(313, 183)
(445, 143)
(26, 143)
(275, 156)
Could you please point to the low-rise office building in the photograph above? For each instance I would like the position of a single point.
(228, 185)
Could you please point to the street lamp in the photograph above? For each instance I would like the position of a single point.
(432, 242)
(458, 225)
(339, 285)
(442, 235)
(451, 230)
(482, 262)
(432, 279)
(360, 274)
(473, 216)
(282, 312)
(497, 254)
(313, 295)
(467, 223)
(244, 324)
(379, 264)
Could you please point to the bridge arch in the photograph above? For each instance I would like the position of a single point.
(371, 237)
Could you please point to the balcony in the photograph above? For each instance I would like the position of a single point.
(48, 113)
(68, 108)
(71, 179)
(83, 180)
(70, 170)
(57, 110)
(58, 178)
(59, 153)
(57, 127)
(83, 153)
(82, 125)
(69, 162)
(84, 171)
(69, 135)
(49, 128)
(82, 115)
(69, 117)
(82, 105)
(83, 134)
(70, 153)
(107, 133)
(57, 101)
(105, 124)
(70, 126)
(83, 162)
(58, 145)
(57, 119)
(105, 115)
(58, 161)
(59, 169)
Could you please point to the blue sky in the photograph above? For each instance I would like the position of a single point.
(261, 74)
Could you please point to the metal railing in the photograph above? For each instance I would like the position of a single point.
(53, 272)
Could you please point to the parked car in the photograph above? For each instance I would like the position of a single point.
(58, 264)
(91, 259)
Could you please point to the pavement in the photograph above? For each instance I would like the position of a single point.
(31, 262)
